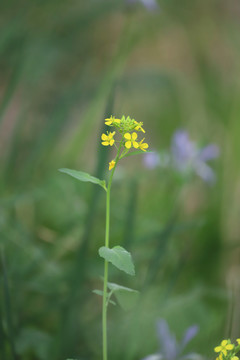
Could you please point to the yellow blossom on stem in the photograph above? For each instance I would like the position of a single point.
(224, 347)
(139, 127)
(131, 140)
(108, 139)
(220, 357)
(112, 164)
(142, 146)
(110, 121)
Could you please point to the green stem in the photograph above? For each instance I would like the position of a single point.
(105, 280)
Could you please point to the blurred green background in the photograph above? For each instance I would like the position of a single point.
(65, 66)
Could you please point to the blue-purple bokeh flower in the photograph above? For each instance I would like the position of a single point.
(170, 349)
(150, 5)
(186, 157)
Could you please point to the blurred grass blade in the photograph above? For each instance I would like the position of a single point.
(8, 308)
(130, 213)
(2, 337)
(10, 89)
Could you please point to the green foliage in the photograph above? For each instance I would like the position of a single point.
(137, 152)
(125, 296)
(31, 338)
(100, 293)
(82, 176)
(119, 257)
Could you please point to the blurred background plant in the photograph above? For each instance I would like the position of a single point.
(170, 348)
(65, 66)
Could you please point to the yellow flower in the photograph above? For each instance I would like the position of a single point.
(111, 165)
(139, 127)
(238, 341)
(108, 139)
(142, 146)
(131, 140)
(220, 357)
(224, 347)
(235, 358)
(110, 121)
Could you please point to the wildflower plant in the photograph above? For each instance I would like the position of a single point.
(170, 348)
(124, 137)
(228, 351)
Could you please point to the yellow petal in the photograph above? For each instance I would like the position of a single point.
(224, 343)
(105, 143)
(112, 164)
(117, 121)
(238, 341)
(112, 142)
(127, 136)
(134, 136)
(135, 144)
(128, 144)
(104, 137)
(217, 348)
(109, 121)
(229, 347)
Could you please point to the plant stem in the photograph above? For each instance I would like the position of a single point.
(105, 280)
(104, 309)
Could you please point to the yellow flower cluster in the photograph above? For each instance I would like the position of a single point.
(227, 350)
(127, 128)
(108, 139)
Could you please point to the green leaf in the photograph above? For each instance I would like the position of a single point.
(100, 293)
(137, 152)
(125, 296)
(82, 176)
(119, 257)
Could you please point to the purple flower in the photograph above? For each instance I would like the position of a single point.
(151, 160)
(170, 349)
(183, 150)
(187, 157)
(209, 152)
(150, 5)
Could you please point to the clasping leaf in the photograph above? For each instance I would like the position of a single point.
(119, 257)
(125, 296)
(100, 293)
